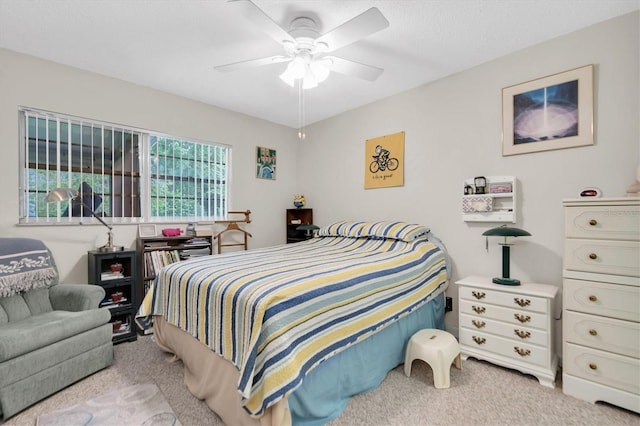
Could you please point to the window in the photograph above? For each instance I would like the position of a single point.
(187, 179)
(125, 174)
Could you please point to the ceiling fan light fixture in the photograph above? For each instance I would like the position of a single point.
(297, 69)
(321, 69)
(288, 77)
(309, 71)
(309, 81)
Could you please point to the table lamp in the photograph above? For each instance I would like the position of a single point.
(62, 194)
(505, 231)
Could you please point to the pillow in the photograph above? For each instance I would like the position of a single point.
(397, 230)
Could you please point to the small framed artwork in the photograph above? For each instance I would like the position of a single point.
(552, 112)
(500, 188)
(265, 163)
(147, 230)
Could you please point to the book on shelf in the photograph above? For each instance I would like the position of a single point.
(195, 252)
(124, 328)
(110, 303)
(155, 244)
(108, 275)
(158, 259)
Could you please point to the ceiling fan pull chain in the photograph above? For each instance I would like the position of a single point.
(301, 132)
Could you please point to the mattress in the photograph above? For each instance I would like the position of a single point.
(277, 313)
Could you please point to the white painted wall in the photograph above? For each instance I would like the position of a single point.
(453, 132)
(27, 81)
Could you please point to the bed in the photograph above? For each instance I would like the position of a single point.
(286, 334)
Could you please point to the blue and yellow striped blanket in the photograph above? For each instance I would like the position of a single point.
(277, 312)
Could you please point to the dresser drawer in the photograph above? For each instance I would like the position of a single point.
(538, 355)
(521, 302)
(602, 256)
(611, 335)
(617, 371)
(603, 222)
(533, 336)
(511, 316)
(611, 300)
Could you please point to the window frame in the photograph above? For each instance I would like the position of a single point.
(145, 177)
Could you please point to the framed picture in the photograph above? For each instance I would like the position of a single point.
(552, 112)
(265, 163)
(384, 161)
(147, 230)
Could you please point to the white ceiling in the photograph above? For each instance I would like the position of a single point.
(173, 45)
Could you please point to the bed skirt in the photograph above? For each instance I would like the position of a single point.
(323, 394)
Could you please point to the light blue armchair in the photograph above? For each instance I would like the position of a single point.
(51, 334)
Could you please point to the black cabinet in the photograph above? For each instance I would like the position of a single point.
(295, 218)
(116, 272)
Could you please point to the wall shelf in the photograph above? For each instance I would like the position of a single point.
(496, 206)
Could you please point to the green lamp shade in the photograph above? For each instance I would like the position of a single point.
(506, 231)
(308, 228)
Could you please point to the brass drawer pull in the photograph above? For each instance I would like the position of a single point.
(479, 340)
(593, 256)
(522, 351)
(478, 309)
(478, 324)
(522, 334)
(522, 318)
(478, 294)
(593, 298)
(522, 302)
(593, 366)
(593, 222)
(593, 332)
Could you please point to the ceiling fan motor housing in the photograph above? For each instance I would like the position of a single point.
(304, 31)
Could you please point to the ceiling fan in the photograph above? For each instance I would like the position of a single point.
(306, 50)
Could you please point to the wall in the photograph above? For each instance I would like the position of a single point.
(453, 132)
(27, 81)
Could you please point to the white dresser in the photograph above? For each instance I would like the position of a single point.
(601, 301)
(511, 326)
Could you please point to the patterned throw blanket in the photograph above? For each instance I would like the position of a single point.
(278, 312)
(25, 264)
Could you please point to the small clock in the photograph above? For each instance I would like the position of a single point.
(480, 182)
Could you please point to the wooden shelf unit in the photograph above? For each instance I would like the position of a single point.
(156, 252)
(304, 216)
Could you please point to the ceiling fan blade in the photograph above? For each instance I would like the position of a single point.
(252, 63)
(355, 69)
(262, 21)
(366, 23)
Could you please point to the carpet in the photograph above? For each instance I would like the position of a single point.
(132, 405)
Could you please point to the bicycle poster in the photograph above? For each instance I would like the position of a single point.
(384, 161)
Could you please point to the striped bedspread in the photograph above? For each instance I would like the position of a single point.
(277, 312)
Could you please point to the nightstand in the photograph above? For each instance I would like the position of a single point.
(510, 326)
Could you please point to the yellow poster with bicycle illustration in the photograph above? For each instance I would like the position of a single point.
(384, 161)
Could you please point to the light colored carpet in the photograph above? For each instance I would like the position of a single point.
(480, 394)
(131, 405)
